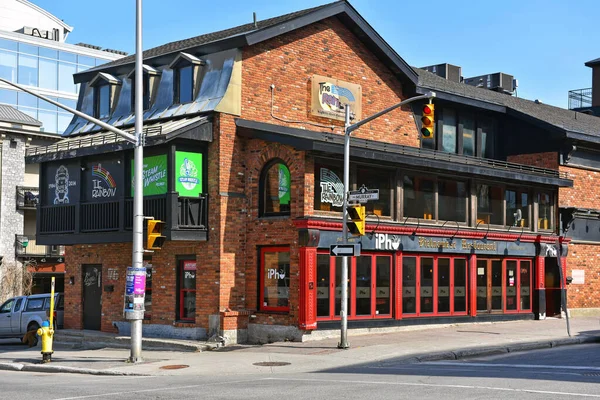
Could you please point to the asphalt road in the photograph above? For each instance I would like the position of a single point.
(559, 373)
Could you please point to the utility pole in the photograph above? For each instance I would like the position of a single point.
(136, 316)
(348, 129)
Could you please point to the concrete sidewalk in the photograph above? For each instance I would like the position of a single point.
(414, 344)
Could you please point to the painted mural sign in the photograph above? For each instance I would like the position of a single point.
(332, 188)
(59, 184)
(188, 173)
(154, 175)
(103, 183)
(329, 98)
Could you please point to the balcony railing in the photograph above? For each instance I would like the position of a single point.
(26, 246)
(27, 197)
(580, 98)
(179, 213)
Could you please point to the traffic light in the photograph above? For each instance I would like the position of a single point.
(357, 224)
(427, 121)
(155, 236)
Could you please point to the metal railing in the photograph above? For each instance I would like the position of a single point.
(27, 197)
(87, 141)
(580, 98)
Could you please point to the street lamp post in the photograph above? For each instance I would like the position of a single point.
(348, 129)
(136, 316)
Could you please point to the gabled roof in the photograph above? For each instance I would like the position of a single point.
(102, 76)
(573, 123)
(12, 115)
(249, 34)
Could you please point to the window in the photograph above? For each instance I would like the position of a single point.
(525, 281)
(449, 131)
(468, 134)
(8, 65)
(48, 74)
(7, 306)
(275, 189)
(376, 178)
(184, 81)
(545, 212)
(18, 305)
(145, 92)
(102, 101)
(452, 200)
(35, 304)
(419, 197)
(323, 282)
(186, 272)
(274, 279)
(329, 187)
(65, 77)
(488, 138)
(517, 205)
(28, 70)
(490, 205)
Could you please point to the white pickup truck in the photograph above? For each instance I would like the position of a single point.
(22, 314)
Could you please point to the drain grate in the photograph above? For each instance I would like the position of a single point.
(271, 364)
(592, 374)
(176, 366)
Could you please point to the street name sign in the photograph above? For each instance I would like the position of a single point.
(344, 250)
(363, 194)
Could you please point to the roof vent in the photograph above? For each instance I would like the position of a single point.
(89, 46)
(538, 101)
(446, 71)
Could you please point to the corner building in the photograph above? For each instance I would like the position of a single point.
(243, 160)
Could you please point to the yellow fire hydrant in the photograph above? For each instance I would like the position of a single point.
(46, 333)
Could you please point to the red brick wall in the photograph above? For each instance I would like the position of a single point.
(543, 160)
(584, 193)
(325, 48)
(587, 258)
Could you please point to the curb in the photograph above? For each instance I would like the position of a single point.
(61, 369)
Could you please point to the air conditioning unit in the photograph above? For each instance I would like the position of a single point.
(499, 82)
(446, 71)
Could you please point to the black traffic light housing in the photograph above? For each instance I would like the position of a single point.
(155, 237)
(356, 225)
(428, 121)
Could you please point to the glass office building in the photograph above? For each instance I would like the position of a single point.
(38, 58)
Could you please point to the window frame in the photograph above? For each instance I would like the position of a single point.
(146, 100)
(177, 83)
(262, 189)
(97, 99)
(261, 274)
(181, 291)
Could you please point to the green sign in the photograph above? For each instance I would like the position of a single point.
(188, 173)
(284, 184)
(154, 175)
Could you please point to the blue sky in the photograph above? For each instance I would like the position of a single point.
(543, 43)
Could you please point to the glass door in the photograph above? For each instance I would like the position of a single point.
(489, 285)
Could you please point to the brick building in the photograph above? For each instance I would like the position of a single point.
(243, 160)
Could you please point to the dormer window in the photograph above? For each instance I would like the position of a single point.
(186, 68)
(104, 86)
(149, 80)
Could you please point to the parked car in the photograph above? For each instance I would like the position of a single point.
(22, 314)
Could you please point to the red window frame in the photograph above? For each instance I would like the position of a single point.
(518, 286)
(183, 264)
(435, 286)
(263, 251)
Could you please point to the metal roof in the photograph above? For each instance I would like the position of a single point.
(554, 117)
(12, 115)
(593, 62)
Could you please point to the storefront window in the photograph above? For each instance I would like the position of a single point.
(419, 199)
(338, 286)
(517, 207)
(443, 285)
(511, 285)
(383, 285)
(363, 285)
(275, 189)
(426, 285)
(452, 200)
(187, 290)
(490, 205)
(545, 220)
(275, 279)
(460, 285)
(323, 282)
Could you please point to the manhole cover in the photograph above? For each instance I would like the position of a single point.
(176, 366)
(272, 364)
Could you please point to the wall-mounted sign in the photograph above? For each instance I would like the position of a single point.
(154, 175)
(103, 180)
(330, 96)
(332, 188)
(188, 173)
(62, 184)
(103, 183)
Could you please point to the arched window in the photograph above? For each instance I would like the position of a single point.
(275, 189)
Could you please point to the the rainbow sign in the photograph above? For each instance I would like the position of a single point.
(102, 173)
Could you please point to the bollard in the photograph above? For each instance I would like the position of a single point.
(46, 333)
